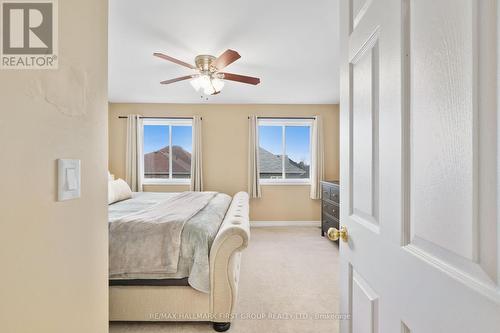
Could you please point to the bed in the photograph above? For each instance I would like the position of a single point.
(200, 282)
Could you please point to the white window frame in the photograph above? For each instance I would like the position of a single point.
(165, 122)
(284, 122)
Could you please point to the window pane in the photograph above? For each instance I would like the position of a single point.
(156, 151)
(298, 152)
(182, 147)
(270, 152)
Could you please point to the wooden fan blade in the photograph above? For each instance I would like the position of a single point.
(175, 61)
(226, 58)
(241, 78)
(177, 79)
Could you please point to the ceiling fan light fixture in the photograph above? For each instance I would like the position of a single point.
(218, 84)
(208, 84)
(201, 81)
(209, 90)
(195, 83)
(204, 81)
(208, 77)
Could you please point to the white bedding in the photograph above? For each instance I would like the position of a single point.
(196, 238)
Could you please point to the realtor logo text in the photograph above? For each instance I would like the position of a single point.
(29, 34)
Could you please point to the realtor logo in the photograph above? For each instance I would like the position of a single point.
(29, 34)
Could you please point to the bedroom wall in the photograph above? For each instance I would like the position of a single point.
(54, 254)
(225, 147)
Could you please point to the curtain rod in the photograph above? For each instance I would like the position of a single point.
(284, 117)
(125, 117)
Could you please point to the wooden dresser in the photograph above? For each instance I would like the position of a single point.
(329, 205)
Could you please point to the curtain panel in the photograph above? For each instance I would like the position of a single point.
(133, 153)
(253, 158)
(317, 158)
(197, 157)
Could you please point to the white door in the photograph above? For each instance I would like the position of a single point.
(419, 166)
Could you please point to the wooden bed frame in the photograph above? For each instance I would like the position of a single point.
(183, 303)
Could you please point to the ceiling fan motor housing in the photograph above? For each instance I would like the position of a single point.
(205, 62)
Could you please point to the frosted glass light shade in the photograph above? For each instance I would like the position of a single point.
(204, 81)
(207, 84)
(218, 84)
(195, 83)
(209, 90)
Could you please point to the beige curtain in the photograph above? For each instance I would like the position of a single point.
(133, 155)
(253, 158)
(317, 158)
(196, 157)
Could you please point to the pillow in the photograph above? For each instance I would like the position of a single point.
(118, 190)
(110, 177)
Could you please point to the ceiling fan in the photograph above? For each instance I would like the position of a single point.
(208, 76)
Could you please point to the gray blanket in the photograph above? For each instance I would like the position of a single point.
(196, 238)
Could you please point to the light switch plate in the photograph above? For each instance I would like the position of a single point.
(68, 179)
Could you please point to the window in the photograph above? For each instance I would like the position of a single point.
(284, 150)
(161, 137)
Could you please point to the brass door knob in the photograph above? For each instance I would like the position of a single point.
(334, 234)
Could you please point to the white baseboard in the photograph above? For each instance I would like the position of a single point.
(263, 224)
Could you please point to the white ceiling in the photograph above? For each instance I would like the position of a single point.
(292, 45)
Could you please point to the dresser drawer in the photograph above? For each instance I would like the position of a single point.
(325, 192)
(329, 205)
(329, 222)
(334, 194)
(330, 193)
(331, 209)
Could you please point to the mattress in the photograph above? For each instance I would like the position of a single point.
(196, 239)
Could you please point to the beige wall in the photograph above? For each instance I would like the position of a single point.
(54, 254)
(225, 146)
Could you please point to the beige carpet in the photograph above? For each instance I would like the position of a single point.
(285, 272)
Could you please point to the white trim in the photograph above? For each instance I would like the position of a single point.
(283, 149)
(167, 122)
(166, 181)
(287, 181)
(267, 224)
(498, 145)
(284, 123)
(170, 153)
(170, 123)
